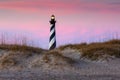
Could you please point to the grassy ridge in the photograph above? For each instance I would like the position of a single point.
(97, 50)
(23, 48)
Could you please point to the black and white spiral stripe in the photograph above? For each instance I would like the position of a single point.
(52, 41)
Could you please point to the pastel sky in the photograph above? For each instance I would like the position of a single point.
(77, 20)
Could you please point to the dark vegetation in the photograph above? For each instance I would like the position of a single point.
(18, 43)
(97, 50)
(22, 48)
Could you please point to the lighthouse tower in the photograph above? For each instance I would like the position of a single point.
(52, 40)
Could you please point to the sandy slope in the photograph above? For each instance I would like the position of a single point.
(34, 68)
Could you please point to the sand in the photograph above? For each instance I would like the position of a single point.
(81, 69)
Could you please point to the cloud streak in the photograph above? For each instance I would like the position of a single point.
(60, 5)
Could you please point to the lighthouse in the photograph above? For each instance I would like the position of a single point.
(52, 39)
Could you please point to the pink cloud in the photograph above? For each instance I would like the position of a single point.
(34, 6)
(77, 6)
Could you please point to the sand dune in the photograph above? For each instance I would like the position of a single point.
(58, 64)
(23, 67)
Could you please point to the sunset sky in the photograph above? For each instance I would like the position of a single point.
(77, 20)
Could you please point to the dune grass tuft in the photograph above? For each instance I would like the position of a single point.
(22, 48)
(56, 58)
(97, 50)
